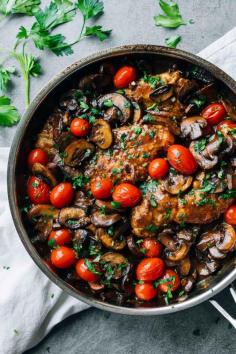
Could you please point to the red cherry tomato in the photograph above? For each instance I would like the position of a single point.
(102, 188)
(181, 159)
(152, 247)
(37, 155)
(127, 195)
(38, 191)
(150, 269)
(173, 284)
(145, 291)
(62, 195)
(230, 215)
(158, 168)
(80, 127)
(124, 76)
(60, 237)
(63, 257)
(214, 113)
(226, 125)
(83, 272)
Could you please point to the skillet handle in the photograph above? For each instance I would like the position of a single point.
(222, 310)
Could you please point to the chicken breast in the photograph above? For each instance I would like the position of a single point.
(134, 147)
(195, 207)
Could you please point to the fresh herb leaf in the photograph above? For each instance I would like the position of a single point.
(200, 145)
(151, 228)
(98, 32)
(228, 194)
(198, 101)
(168, 214)
(153, 81)
(8, 113)
(90, 8)
(149, 187)
(171, 18)
(115, 205)
(91, 267)
(153, 201)
(30, 67)
(80, 181)
(26, 7)
(5, 77)
(173, 41)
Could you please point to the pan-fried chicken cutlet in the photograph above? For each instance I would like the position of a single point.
(134, 147)
(195, 207)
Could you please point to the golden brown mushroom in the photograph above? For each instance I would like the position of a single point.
(101, 134)
(73, 217)
(77, 152)
(40, 170)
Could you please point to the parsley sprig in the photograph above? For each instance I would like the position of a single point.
(171, 17)
(25, 7)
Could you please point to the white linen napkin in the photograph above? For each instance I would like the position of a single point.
(30, 304)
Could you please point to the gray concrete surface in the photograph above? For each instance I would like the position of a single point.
(198, 330)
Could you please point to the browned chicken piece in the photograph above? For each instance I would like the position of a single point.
(133, 148)
(195, 208)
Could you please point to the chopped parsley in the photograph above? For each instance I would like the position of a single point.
(102, 210)
(108, 103)
(148, 118)
(168, 214)
(200, 145)
(153, 81)
(122, 141)
(80, 181)
(151, 228)
(91, 267)
(152, 133)
(153, 201)
(138, 130)
(110, 231)
(115, 205)
(149, 187)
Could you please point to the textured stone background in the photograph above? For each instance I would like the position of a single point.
(197, 330)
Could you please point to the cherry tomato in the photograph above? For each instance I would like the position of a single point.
(124, 76)
(80, 127)
(181, 159)
(150, 269)
(63, 257)
(83, 272)
(226, 125)
(145, 291)
(37, 155)
(127, 195)
(158, 168)
(102, 188)
(152, 247)
(62, 195)
(38, 191)
(230, 215)
(214, 113)
(173, 284)
(60, 237)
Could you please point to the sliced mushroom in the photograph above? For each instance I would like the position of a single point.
(180, 253)
(185, 89)
(208, 240)
(120, 102)
(227, 243)
(82, 201)
(40, 170)
(99, 219)
(204, 156)
(187, 283)
(68, 101)
(216, 254)
(175, 182)
(193, 127)
(112, 114)
(167, 240)
(133, 246)
(162, 93)
(96, 286)
(77, 152)
(230, 109)
(137, 112)
(101, 134)
(185, 266)
(73, 217)
(81, 240)
(43, 215)
(114, 265)
(108, 241)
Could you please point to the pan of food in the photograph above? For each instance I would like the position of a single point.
(121, 180)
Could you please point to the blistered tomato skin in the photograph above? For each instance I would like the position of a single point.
(127, 195)
(80, 127)
(124, 76)
(63, 257)
(83, 272)
(145, 292)
(158, 168)
(60, 237)
(151, 247)
(38, 191)
(150, 269)
(102, 188)
(214, 113)
(62, 195)
(173, 284)
(230, 215)
(37, 155)
(181, 159)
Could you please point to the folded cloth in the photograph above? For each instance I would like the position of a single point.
(30, 304)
